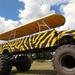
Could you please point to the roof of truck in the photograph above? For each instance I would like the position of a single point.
(41, 24)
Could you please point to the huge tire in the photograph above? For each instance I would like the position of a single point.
(5, 67)
(64, 60)
(23, 64)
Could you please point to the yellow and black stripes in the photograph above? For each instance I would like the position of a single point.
(61, 35)
(40, 40)
(47, 39)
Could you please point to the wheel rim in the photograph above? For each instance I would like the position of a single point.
(67, 61)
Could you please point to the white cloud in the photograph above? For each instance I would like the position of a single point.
(69, 13)
(6, 25)
(36, 8)
(32, 9)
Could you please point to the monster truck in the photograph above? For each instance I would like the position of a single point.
(38, 37)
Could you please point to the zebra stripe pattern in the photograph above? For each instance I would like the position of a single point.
(40, 40)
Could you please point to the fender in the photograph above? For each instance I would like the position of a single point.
(69, 34)
(67, 38)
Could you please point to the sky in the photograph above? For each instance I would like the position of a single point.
(15, 13)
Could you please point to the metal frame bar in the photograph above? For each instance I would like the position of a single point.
(43, 24)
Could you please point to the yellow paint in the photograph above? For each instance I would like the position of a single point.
(51, 38)
(45, 39)
(62, 33)
(74, 35)
(22, 48)
(33, 41)
(38, 36)
(39, 40)
(58, 37)
(30, 43)
(53, 42)
(19, 43)
(25, 43)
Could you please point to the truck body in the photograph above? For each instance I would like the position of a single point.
(31, 41)
(47, 39)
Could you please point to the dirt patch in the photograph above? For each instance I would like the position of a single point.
(37, 68)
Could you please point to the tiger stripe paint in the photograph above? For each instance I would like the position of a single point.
(30, 44)
(51, 39)
(45, 39)
(33, 39)
(36, 39)
(25, 44)
(39, 40)
(59, 37)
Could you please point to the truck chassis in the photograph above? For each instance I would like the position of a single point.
(60, 45)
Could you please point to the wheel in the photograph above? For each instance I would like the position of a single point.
(5, 67)
(23, 63)
(64, 60)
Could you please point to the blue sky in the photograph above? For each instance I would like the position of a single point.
(14, 13)
(57, 6)
(9, 9)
